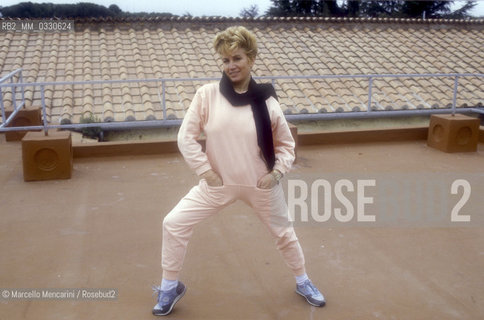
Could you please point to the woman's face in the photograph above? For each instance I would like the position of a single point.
(237, 66)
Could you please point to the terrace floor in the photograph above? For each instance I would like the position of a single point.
(102, 229)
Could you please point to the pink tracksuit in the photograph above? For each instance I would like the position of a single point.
(231, 151)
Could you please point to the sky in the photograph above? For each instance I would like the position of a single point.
(226, 8)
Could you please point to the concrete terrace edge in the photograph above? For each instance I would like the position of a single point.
(364, 136)
(153, 147)
(123, 148)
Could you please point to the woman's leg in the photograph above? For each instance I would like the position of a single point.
(201, 202)
(271, 208)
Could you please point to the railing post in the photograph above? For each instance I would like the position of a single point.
(370, 89)
(454, 98)
(2, 107)
(14, 93)
(164, 100)
(22, 87)
(44, 112)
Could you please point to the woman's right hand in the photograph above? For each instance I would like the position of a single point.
(212, 178)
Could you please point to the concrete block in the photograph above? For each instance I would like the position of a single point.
(458, 133)
(25, 117)
(47, 157)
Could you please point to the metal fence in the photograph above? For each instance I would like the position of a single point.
(369, 113)
(17, 74)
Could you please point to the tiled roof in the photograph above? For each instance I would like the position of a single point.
(140, 48)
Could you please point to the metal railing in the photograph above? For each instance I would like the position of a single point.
(369, 113)
(16, 73)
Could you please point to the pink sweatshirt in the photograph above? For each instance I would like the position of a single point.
(231, 138)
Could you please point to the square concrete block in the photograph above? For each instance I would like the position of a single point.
(458, 133)
(25, 117)
(47, 157)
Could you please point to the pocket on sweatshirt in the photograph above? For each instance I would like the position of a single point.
(264, 189)
(216, 194)
(212, 187)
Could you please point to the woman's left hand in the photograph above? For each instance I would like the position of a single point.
(267, 182)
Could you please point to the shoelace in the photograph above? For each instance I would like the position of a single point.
(156, 290)
(314, 289)
(310, 288)
(316, 294)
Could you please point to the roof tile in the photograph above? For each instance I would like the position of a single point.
(122, 50)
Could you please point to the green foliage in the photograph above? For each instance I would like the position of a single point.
(91, 132)
(49, 10)
(279, 8)
(115, 9)
(250, 12)
(306, 8)
(463, 12)
(368, 8)
(79, 10)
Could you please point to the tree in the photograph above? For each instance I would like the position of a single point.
(49, 10)
(462, 12)
(250, 12)
(115, 9)
(413, 9)
(280, 8)
(368, 8)
(306, 8)
(79, 10)
(353, 8)
(329, 8)
(429, 9)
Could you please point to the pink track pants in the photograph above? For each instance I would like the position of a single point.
(203, 201)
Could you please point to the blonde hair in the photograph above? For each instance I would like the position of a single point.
(233, 38)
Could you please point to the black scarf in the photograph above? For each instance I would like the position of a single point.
(256, 96)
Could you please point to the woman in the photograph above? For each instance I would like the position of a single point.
(248, 149)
